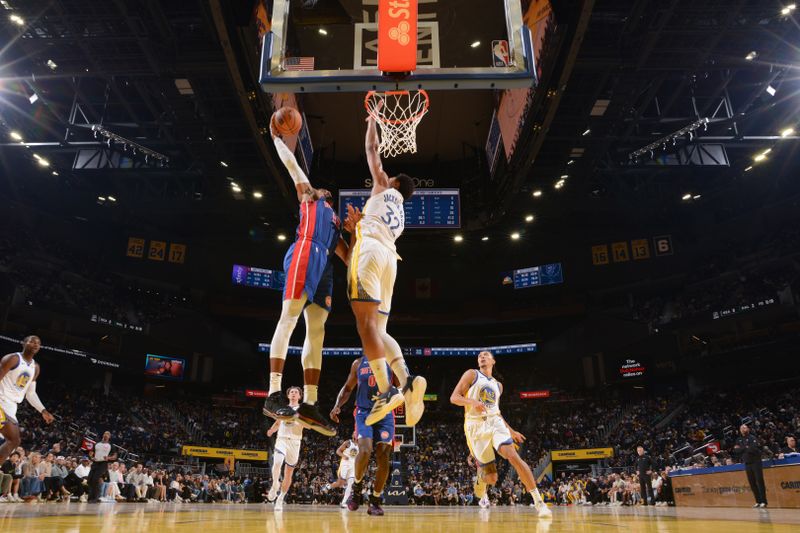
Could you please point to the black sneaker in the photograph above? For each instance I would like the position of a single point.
(275, 402)
(384, 404)
(374, 508)
(312, 418)
(355, 497)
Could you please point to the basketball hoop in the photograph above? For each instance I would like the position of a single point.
(397, 113)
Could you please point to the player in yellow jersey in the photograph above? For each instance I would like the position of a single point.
(486, 429)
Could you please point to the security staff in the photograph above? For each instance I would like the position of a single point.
(748, 449)
(644, 467)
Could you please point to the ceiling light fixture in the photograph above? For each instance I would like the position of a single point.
(52, 64)
(529, 218)
(570, 161)
(696, 197)
(787, 132)
(515, 236)
(112, 199)
(661, 143)
(224, 164)
(484, 238)
(236, 189)
(458, 238)
(751, 56)
(771, 90)
(16, 19)
(16, 136)
(257, 195)
(748, 169)
(281, 237)
(585, 133)
(537, 193)
(323, 31)
(686, 197)
(559, 184)
(476, 44)
(54, 173)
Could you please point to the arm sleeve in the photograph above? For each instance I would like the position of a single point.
(33, 398)
(289, 161)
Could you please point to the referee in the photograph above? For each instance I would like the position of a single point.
(748, 449)
(644, 467)
(102, 455)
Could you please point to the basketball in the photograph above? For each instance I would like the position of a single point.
(287, 121)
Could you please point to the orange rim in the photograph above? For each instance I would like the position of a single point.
(385, 120)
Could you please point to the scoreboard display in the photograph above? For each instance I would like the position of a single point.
(427, 208)
(509, 349)
(262, 278)
(539, 275)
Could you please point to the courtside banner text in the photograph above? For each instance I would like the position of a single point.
(222, 453)
(582, 454)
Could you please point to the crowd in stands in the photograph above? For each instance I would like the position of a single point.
(53, 467)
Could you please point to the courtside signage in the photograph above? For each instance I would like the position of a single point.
(581, 454)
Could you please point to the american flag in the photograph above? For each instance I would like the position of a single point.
(299, 63)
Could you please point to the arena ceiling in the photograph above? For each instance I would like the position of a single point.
(180, 78)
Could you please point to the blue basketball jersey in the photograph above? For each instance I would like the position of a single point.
(319, 223)
(367, 386)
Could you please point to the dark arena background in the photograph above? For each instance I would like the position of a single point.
(607, 200)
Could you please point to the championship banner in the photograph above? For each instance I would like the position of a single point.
(582, 454)
(223, 453)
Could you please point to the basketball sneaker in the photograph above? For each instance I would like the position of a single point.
(272, 494)
(374, 508)
(414, 394)
(311, 417)
(484, 502)
(279, 502)
(543, 511)
(384, 404)
(355, 497)
(274, 403)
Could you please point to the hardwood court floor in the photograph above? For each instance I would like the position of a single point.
(112, 518)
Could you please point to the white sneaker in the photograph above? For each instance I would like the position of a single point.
(484, 502)
(279, 502)
(414, 395)
(4, 499)
(272, 494)
(84, 498)
(543, 511)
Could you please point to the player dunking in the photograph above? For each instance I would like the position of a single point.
(346, 472)
(486, 429)
(371, 275)
(308, 290)
(382, 431)
(18, 373)
(287, 450)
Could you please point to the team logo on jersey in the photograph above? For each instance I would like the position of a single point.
(488, 396)
(328, 301)
(23, 380)
(384, 435)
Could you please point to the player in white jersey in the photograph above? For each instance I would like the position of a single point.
(18, 373)
(346, 472)
(287, 450)
(486, 429)
(371, 274)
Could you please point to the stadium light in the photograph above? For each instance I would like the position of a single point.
(224, 164)
(787, 132)
(529, 218)
(751, 55)
(236, 188)
(515, 236)
(686, 197)
(16, 19)
(257, 195)
(537, 193)
(458, 238)
(476, 44)
(587, 132)
(323, 31)
(559, 184)
(112, 199)
(485, 238)
(16, 136)
(281, 237)
(748, 169)
(54, 173)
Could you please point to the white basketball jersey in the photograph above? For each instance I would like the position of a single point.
(384, 217)
(15, 384)
(487, 391)
(349, 454)
(290, 429)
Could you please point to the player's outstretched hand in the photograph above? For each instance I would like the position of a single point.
(48, 418)
(273, 131)
(334, 414)
(517, 437)
(353, 217)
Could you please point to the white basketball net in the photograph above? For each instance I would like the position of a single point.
(397, 113)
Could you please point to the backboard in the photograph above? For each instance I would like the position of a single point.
(333, 47)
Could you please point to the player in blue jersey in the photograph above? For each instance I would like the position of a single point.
(309, 288)
(382, 432)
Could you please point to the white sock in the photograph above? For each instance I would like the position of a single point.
(275, 381)
(537, 498)
(400, 370)
(310, 394)
(393, 351)
(381, 373)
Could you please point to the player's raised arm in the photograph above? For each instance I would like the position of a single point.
(304, 189)
(380, 180)
(344, 393)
